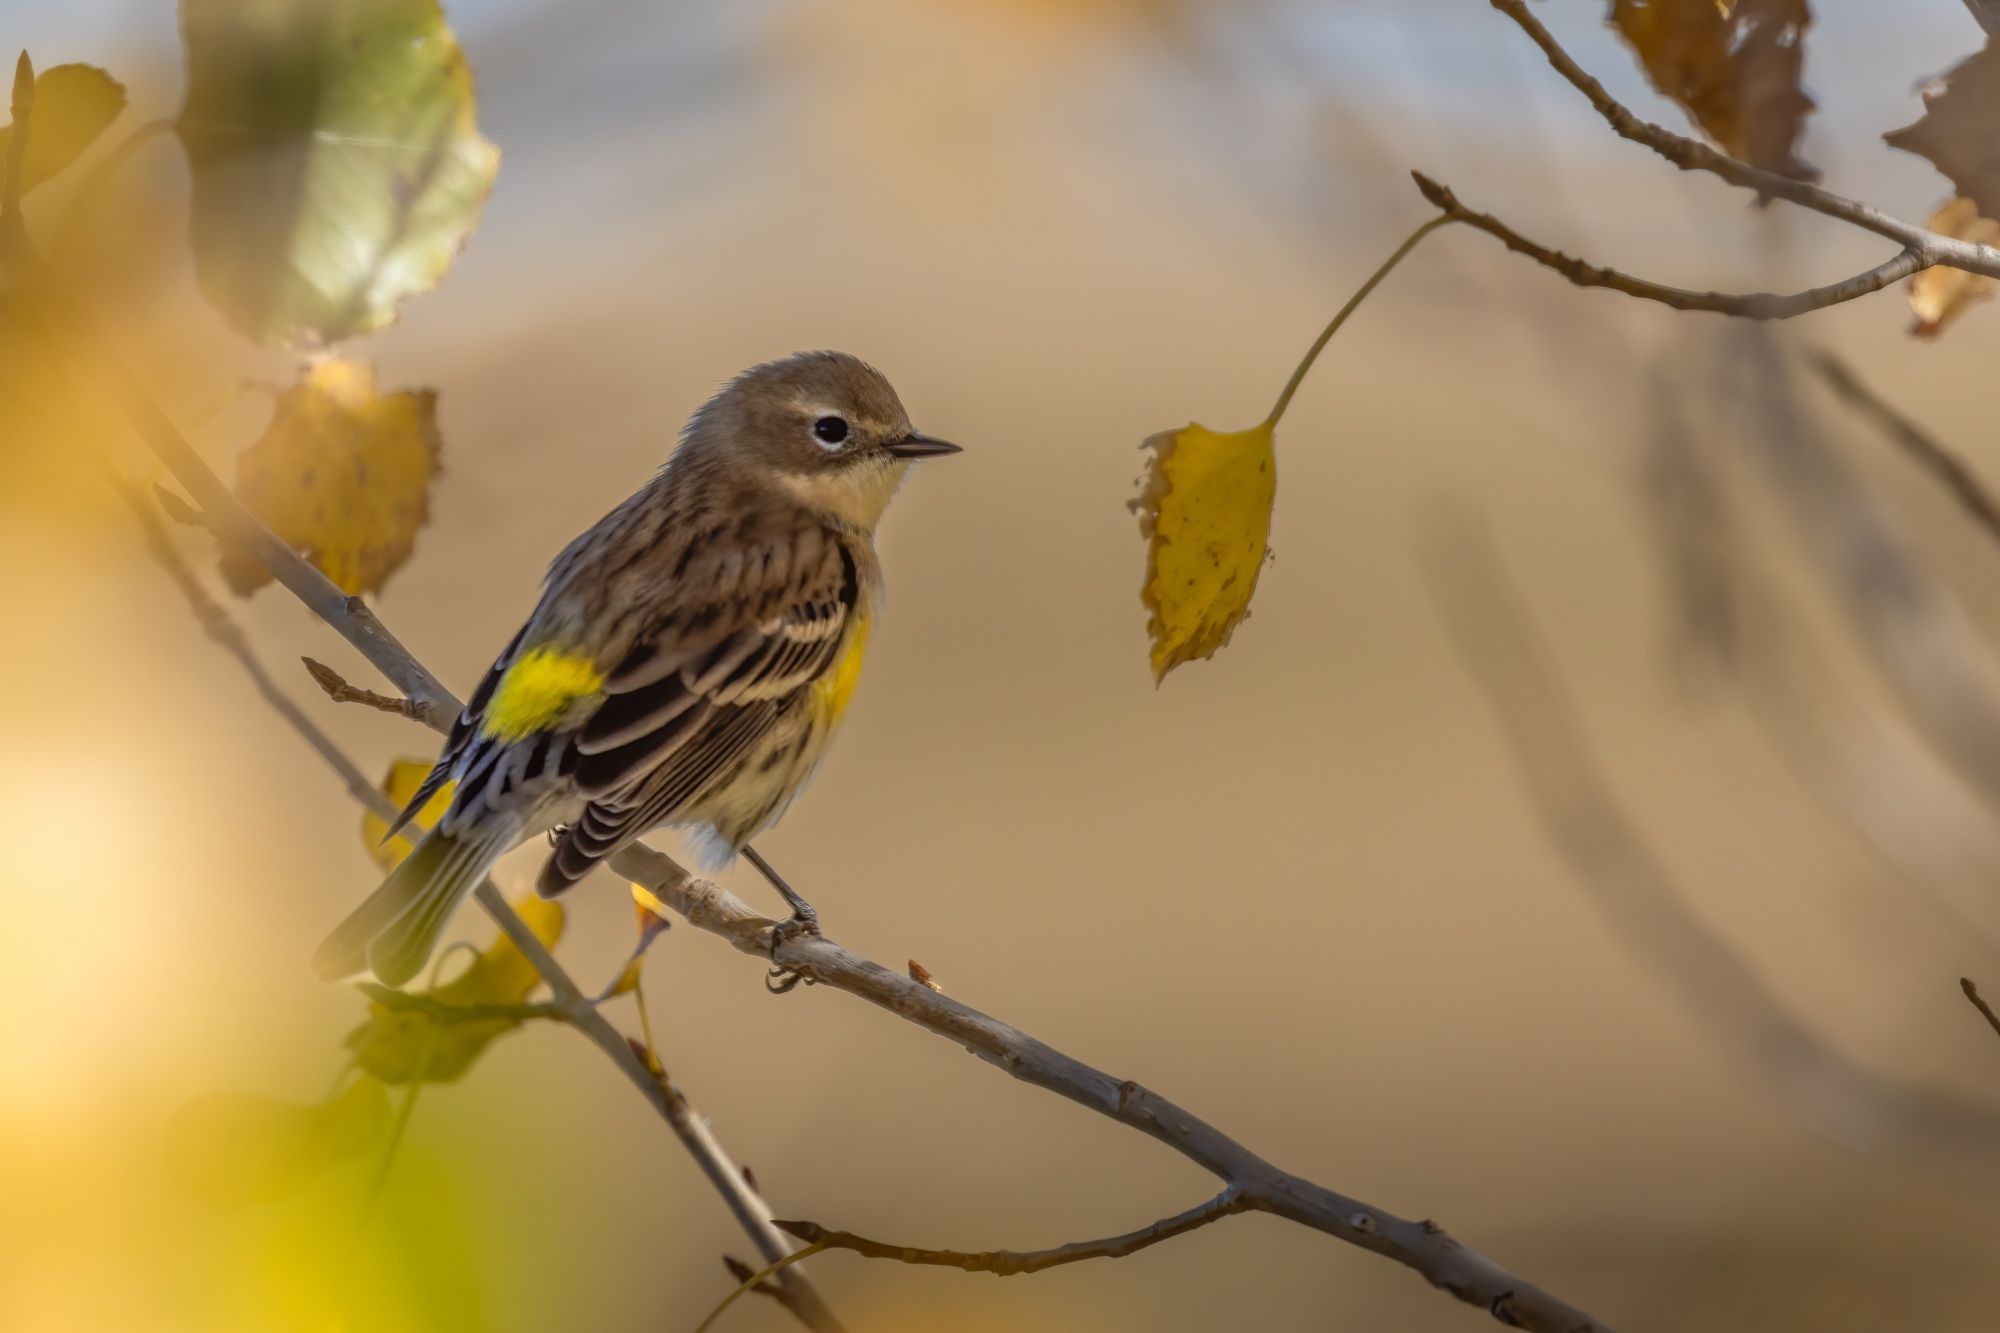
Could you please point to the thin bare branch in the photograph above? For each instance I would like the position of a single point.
(570, 1004)
(1947, 468)
(1964, 984)
(1744, 305)
(1928, 246)
(338, 690)
(1008, 1263)
(234, 525)
(1421, 1246)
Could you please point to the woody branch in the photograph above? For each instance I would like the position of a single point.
(1256, 1184)
(1919, 247)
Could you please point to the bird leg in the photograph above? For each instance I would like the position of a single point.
(804, 920)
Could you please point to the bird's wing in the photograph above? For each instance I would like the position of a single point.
(698, 692)
(464, 733)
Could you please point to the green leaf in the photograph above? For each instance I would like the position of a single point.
(404, 1045)
(236, 1149)
(73, 105)
(337, 166)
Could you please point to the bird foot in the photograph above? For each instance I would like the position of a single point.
(782, 980)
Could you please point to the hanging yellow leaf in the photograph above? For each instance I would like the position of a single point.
(1940, 295)
(1205, 510)
(73, 105)
(1957, 131)
(336, 166)
(405, 1045)
(1206, 516)
(1734, 66)
(238, 1149)
(405, 776)
(341, 474)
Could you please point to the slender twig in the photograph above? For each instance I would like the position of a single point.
(1423, 1247)
(1929, 247)
(1947, 468)
(338, 690)
(570, 1004)
(1964, 984)
(1007, 1263)
(1745, 305)
(236, 527)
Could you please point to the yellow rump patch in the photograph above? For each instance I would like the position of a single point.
(832, 692)
(538, 692)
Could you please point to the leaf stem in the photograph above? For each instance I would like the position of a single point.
(756, 1279)
(1353, 302)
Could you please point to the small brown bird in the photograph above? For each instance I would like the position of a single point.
(688, 661)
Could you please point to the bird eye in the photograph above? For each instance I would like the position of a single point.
(830, 432)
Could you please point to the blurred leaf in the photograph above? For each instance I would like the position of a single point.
(405, 776)
(1206, 514)
(337, 165)
(1940, 295)
(401, 1046)
(1733, 65)
(235, 1149)
(1960, 129)
(342, 475)
(73, 105)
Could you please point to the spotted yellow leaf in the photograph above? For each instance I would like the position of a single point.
(402, 1046)
(1940, 295)
(342, 474)
(1206, 515)
(405, 776)
(1205, 510)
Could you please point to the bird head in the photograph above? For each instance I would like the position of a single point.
(824, 427)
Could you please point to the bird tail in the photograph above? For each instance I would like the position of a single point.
(395, 930)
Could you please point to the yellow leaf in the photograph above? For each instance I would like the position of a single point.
(73, 105)
(402, 1046)
(405, 776)
(238, 1149)
(1206, 514)
(1734, 67)
(1956, 131)
(651, 914)
(1940, 295)
(342, 475)
(1205, 510)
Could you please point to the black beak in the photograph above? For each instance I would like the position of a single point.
(916, 445)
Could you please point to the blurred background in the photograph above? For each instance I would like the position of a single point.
(1721, 1078)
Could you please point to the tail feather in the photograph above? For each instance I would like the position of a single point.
(395, 930)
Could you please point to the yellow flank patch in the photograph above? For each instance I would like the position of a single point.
(832, 692)
(538, 691)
